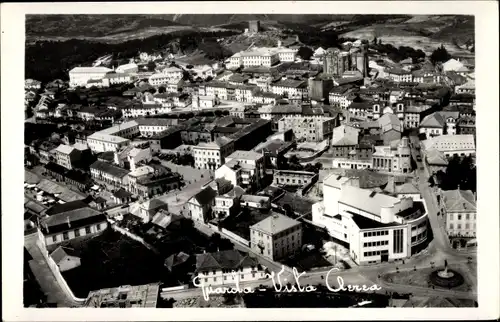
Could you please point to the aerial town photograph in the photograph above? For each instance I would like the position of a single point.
(250, 161)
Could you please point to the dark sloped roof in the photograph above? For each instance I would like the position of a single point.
(78, 218)
(228, 259)
(176, 259)
(205, 196)
(78, 176)
(109, 168)
(54, 167)
(65, 207)
(122, 193)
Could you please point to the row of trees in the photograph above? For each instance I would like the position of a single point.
(293, 163)
(460, 172)
(398, 54)
(440, 55)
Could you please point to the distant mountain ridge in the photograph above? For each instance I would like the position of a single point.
(60, 27)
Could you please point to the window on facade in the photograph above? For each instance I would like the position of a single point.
(54, 239)
(65, 236)
(87, 230)
(77, 233)
(467, 216)
(459, 226)
(459, 217)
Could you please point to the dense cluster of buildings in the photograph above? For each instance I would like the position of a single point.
(343, 107)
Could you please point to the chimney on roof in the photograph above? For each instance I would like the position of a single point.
(46, 226)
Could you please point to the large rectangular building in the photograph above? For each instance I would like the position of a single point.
(377, 227)
(79, 76)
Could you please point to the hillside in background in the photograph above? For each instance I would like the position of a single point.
(429, 30)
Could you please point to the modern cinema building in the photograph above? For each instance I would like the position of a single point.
(377, 227)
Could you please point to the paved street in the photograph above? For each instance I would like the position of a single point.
(437, 251)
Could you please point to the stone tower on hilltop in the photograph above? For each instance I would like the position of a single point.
(253, 26)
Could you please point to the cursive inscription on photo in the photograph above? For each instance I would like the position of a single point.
(281, 286)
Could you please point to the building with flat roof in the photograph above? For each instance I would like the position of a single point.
(377, 227)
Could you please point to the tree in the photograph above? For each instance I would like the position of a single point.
(440, 55)
(305, 53)
(151, 66)
(162, 89)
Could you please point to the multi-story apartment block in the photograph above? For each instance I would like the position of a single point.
(265, 98)
(460, 212)
(66, 156)
(260, 57)
(338, 95)
(216, 89)
(228, 203)
(113, 138)
(116, 78)
(79, 76)
(134, 111)
(244, 93)
(290, 88)
(148, 182)
(287, 54)
(152, 126)
(377, 227)
(109, 174)
(276, 237)
(308, 126)
(243, 168)
(212, 155)
(399, 75)
(168, 75)
(426, 76)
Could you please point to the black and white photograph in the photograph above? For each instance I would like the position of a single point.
(254, 160)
